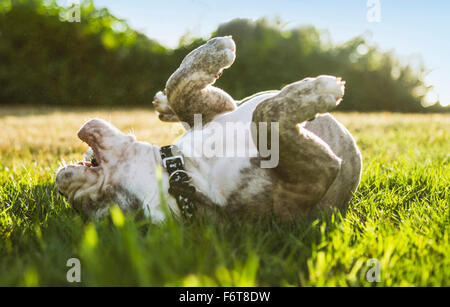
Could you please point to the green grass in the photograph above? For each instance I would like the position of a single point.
(400, 215)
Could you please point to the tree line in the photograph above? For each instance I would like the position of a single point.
(102, 61)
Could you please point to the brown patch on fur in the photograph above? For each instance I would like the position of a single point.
(189, 90)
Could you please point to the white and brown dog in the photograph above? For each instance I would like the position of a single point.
(289, 158)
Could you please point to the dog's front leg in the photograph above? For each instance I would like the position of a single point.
(305, 160)
(189, 90)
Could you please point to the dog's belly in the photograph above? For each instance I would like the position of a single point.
(216, 153)
(244, 112)
(223, 162)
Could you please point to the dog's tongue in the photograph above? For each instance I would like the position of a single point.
(85, 163)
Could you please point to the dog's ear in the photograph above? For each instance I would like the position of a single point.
(90, 129)
(96, 128)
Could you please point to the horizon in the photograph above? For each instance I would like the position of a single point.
(400, 21)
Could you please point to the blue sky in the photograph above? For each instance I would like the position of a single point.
(412, 28)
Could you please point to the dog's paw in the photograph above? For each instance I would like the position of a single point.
(329, 85)
(161, 105)
(168, 118)
(330, 91)
(321, 94)
(214, 56)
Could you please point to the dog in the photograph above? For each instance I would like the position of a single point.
(295, 158)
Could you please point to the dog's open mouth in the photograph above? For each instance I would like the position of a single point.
(94, 162)
(90, 159)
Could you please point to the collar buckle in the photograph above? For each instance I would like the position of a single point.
(164, 160)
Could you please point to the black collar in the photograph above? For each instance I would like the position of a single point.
(180, 188)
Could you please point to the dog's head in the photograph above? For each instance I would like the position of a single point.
(121, 171)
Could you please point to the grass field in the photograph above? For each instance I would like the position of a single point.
(400, 215)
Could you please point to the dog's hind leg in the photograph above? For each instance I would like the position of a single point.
(189, 90)
(306, 162)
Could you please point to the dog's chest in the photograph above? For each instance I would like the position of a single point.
(215, 172)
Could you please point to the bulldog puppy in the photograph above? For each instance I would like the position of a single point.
(276, 153)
